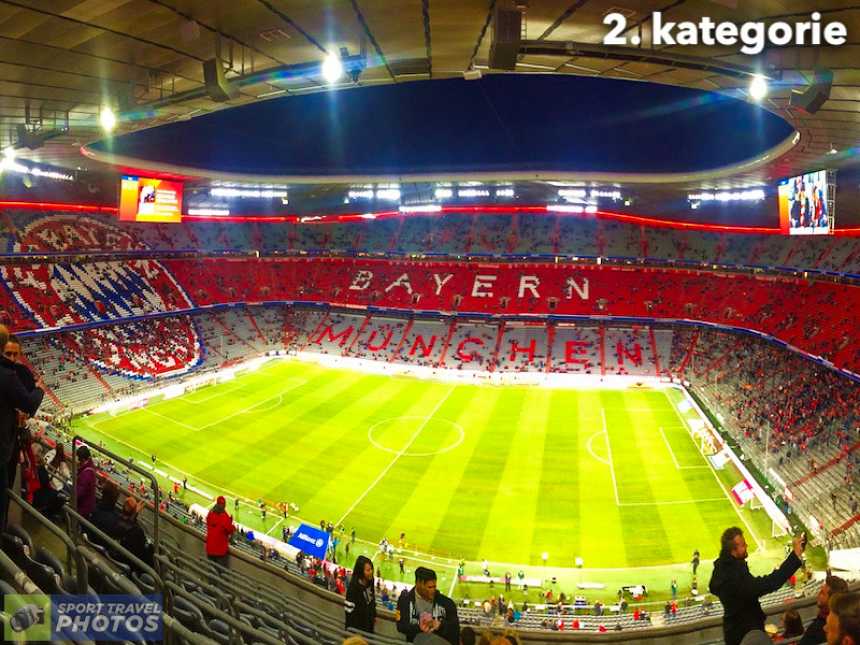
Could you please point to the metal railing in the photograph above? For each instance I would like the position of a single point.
(72, 551)
(78, 440)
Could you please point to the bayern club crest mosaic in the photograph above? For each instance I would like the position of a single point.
(65, 292)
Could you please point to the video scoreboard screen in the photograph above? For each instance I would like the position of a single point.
(145, 199)
(806, 203)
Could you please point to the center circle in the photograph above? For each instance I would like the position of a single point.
(396, 433)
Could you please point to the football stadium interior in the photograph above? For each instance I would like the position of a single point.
(472, 286)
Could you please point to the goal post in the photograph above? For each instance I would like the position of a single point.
(710, 440)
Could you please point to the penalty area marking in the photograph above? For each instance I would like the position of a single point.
(674, 458)
(456, 444)
(717, 478)
(589, 447)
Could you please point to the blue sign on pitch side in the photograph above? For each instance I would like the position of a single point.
(310, 540)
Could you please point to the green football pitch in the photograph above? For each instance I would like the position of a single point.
(473, 472)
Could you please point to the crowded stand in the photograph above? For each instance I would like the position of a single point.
(136, 322)
(789, 415)
(453, 234)
(817, 317)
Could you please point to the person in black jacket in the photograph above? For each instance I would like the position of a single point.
(360, 604)
(424, 609)
(12, 352)
(814, 634)
(739, 590)
(132, 537)
(18, 392)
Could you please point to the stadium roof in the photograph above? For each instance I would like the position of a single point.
(62, 60)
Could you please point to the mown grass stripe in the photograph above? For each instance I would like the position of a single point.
(468, 512)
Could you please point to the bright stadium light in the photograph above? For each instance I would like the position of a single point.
(332, 69)
(9, 153)
(421, 208)
(758, 88)
(107, 119)
(565, 208)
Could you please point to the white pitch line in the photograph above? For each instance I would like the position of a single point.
(187, 397)
(590, 448)
(669, 448)
(609, 450)
(683, 501)
(399, 454)
(719, 483)
(164, 416)
(276, 525)
(248, 409)
(216, 487)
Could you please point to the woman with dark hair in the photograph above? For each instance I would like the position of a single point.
(86, 501)
(792, 626)
(60, 468)
(360, 604)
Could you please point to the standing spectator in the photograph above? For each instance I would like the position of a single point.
(815, 632)
(360, 604)
(60, 467)
(424, 609)
(739, 590)
(86, 493)
(12, 352)
(843, 621)
(16, 395)
(219, 528)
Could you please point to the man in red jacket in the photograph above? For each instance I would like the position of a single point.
(219, 528)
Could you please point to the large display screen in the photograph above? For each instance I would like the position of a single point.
(803, 204)
(144, 199)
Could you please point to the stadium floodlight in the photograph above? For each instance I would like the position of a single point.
(753, 195)
(758, 88)
(421, 208)
(9, 153)
(209, 212)
(565, 208)
(390, 194)
(443, 193)
(332, 69)
(544, 556)
(107, 119)
(572, 193)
